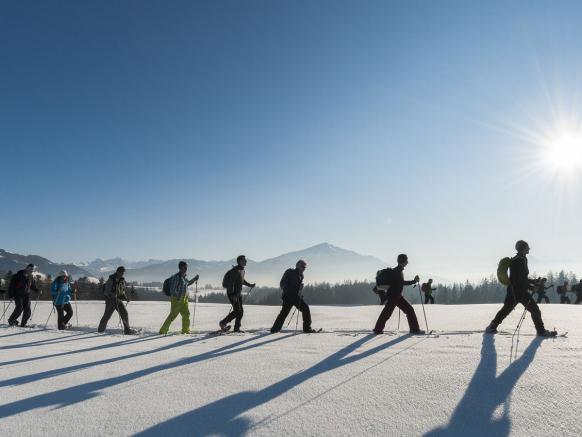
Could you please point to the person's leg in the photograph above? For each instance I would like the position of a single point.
(185, 313)
(174, 311)
(540, 297)
(426, 299)
(305, 314)
(280, 320)
(508, 306)
(232, 314)
(528, 302)
(546, 298)
(124, 315)
(68, 313)
(391, 301)
(238, 307)
(410, 314)
(109, 308)
(567, 299)
(27, 311)
(60, 317)
(13, 319)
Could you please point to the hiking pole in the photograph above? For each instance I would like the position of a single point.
(292, 314)
(248, 294)
(422, 303)
(53, 307)
(5, 309)
(195, 301)
(76, 308)
(34, 308)
(399, 311)
(296, 322)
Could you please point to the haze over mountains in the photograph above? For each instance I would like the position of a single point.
(326, 263)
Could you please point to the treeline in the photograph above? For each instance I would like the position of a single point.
(488, 290)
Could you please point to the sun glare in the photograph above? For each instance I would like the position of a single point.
(564, 151)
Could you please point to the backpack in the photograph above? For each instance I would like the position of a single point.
(425, 288)
(12, 286)
(229, 278)
(166, 286)
(560, 289)
(502, 270)
(384, 277)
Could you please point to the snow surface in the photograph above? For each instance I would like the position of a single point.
(458, 382)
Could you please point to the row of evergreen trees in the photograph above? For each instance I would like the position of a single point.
(488, 290)
(347, 293)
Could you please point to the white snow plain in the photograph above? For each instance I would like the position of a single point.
(342, 382)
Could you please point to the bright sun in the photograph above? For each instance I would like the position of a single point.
(564, 150)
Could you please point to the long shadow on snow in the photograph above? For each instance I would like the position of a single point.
(55, 372)
(52, 340)
(224, 416)
(83, 392)
(487, 391)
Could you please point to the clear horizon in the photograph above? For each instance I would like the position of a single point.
(203, 130)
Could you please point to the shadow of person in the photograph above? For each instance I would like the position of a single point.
(486, 392)
(225, 416)
(83, 392)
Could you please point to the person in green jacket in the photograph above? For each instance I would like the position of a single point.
(179, 284)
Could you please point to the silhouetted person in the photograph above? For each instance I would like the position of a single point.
(578, 290)
(540, 289)
(233, 282)
(427, 289)
(115, 293)
(395, 299)
(292, 285)
(19, 290)
(562, 291)
(518, 292)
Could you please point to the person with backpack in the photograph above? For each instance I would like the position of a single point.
(518, 288)
(563, 293)
(394, 279)
(115, 292)
(233, 281)
(176, 287)
(578, 290)
(62, 292)
(541, 291)
(427, 289)
(19, 290)
(292, 284)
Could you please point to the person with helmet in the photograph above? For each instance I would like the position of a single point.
(395, 299)
(19, 290)
(427, 289)
(62, 292)
(518, 292)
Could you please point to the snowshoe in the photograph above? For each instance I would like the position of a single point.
(224, 327)
(547, 333)
(418, 332)
(491, 330)
(311, 331)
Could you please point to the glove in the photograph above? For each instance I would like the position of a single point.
(416, 279)
(196, 278)
(253, 285)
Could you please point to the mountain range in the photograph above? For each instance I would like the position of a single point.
(326, 263)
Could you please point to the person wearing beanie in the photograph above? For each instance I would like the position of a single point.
(62, 292)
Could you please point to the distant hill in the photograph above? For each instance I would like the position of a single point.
(14, 262)
(326, 263)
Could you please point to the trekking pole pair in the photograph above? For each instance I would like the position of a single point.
(5, 308)
(423, 311)
(53, 307)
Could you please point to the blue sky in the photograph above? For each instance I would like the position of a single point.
(207, 129)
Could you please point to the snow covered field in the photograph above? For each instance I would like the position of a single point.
(345, 382)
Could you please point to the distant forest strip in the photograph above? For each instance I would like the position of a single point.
(347, 293)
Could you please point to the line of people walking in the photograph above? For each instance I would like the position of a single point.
(390, 285)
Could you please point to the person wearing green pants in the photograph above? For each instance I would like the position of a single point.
(179, 299)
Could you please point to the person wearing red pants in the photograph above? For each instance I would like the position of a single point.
(395, 298)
